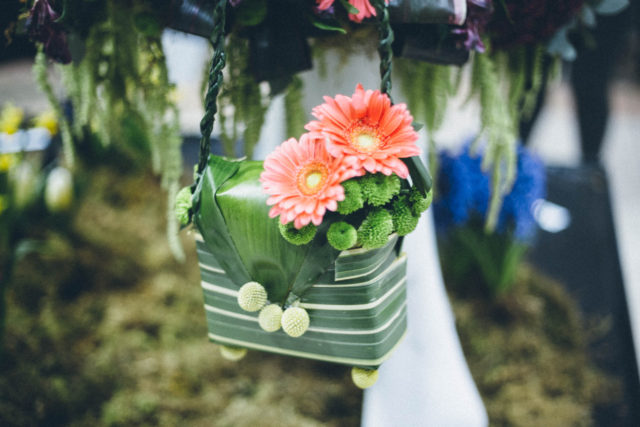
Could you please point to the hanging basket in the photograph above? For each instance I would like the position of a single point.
(307, 299)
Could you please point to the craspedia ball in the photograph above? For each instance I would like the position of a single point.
(252, 296)
(364, 378)
(183, 205)
(232, 353)
(342, 235)
(270, 318)
(295, 321)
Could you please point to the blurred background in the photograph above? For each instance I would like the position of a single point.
(105, 326)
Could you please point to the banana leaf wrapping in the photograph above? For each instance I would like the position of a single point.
(356, 299)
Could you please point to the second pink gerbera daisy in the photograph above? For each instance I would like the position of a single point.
(368, 128)
(365, 9)
(303, 180)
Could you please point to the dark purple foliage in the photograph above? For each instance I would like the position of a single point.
(42, 27)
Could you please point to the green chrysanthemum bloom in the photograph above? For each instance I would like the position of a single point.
(270, 318)
(379, 188)
(342, 235)
(364, 378)
(375, 229)
(404, 221)
(295, 321)
(353, 199)
(297, 237)
(252, 296)
(232, 353)
(418, 202)
(183, 205)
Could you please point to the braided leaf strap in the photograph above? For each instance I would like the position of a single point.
(385, 37)
(210, 103)
(419, 174)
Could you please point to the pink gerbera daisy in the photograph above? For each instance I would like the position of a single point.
(303, 180)
(368, 128)
(365, 9)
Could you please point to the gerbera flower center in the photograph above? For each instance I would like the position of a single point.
(365, 139)
(311, 178)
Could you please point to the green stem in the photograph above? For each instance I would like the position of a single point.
(40, 71)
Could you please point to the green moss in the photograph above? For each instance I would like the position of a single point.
(353, 199)
(297, 237)
(378, 189)
(342, 235)
(404, 221)
(375, 229)
(527, 352)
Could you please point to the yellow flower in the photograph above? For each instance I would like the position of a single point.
(10, 118)
(6, 161)
(48, 121)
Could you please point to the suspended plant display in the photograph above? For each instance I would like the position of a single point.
(303, 249)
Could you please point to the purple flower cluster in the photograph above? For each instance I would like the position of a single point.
(43, 27)
(464, 192)
(478, 15)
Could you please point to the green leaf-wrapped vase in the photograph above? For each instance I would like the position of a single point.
(355, 299)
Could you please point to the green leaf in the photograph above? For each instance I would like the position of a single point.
(210, 221)
(419, 174)
(417, 126)
(349, 7)
(328, 26)
(610, 7)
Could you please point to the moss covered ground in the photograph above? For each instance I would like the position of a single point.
(105, 328)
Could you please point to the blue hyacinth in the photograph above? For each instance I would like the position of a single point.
(464, 192)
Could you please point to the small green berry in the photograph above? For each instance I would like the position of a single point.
(353, 199)
(252, 296)
(342, 235)
(297, 237)
(183, 205)
(375, 229)
(270, 318)
(295, 321)
(58, 191)
(232, 353)
(364, 378)
(404, 221)
(379, 188)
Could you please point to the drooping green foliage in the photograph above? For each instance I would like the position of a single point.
(242, 105)
(498, 128)
(295, 116)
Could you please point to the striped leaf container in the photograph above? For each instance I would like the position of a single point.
(357, 309)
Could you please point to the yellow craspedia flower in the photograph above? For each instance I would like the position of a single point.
(252, 296)
(232, 353)
(47, 120)
(6, 161)
(10, 118)
(364, 378)
(295, 321)
(270, 318)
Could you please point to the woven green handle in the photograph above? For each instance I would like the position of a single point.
(210, 103)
